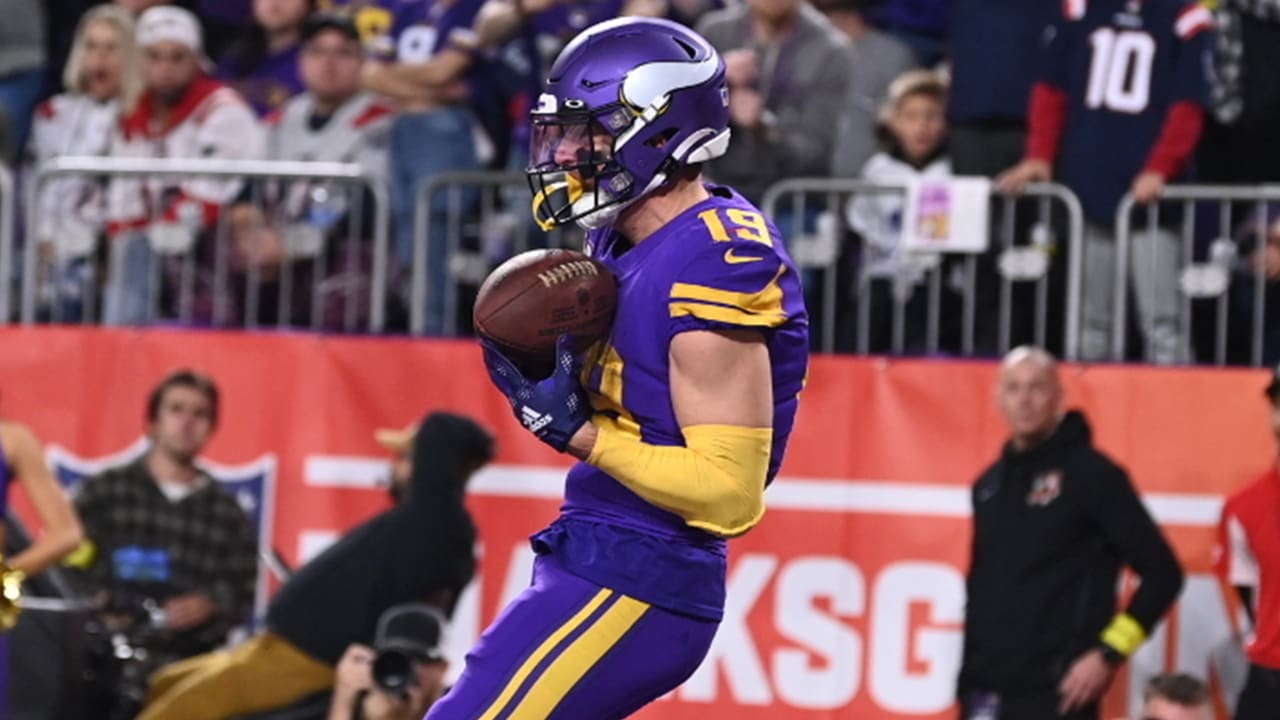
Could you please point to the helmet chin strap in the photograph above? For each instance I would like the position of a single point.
(546, 218)
(598, 218)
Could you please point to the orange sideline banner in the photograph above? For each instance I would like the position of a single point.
(846, 602)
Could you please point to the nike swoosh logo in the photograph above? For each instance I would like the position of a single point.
(732, 259)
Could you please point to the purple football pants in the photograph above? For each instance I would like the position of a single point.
(568, 649)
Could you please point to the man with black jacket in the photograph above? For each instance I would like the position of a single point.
(1054, 521)
(421, 550)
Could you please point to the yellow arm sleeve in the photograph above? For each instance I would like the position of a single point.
(1124, 634)
(715, 482)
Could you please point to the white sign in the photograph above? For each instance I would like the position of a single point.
(947, 215)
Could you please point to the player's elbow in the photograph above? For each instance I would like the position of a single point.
(730, 508)
(733, 471)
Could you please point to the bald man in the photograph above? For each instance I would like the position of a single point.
(1054, 521)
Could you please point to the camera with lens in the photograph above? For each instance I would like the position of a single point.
(394, 670)
(408, 635)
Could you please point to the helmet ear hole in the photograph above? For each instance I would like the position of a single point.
(661, 139)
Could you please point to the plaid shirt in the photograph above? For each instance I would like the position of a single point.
(205, 541)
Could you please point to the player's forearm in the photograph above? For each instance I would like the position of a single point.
(583, 442)
(445, 67)
(716, 482)
(47, 551)
(1178, 139)
(1046, 120)
(381, 79)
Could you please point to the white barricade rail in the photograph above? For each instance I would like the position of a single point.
(498, 220)
(1021, 257)
(8, 220)
(346, 175)
(1209, 278)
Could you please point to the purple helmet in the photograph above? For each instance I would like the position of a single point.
(627, 104)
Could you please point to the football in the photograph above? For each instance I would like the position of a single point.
(529, 301)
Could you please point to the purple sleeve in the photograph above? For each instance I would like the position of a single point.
(730, 285)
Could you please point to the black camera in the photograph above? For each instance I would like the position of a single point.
(393, 671)
(407, 635)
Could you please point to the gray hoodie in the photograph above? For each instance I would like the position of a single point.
(804, 81)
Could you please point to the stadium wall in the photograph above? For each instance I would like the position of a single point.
(846, 602)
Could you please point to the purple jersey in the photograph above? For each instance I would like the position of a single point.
(407, 31)
(269, 85)
(719, 265)
(1123, 64)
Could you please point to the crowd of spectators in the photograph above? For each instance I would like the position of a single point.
(1016, 91)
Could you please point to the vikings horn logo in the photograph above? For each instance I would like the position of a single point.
(651, 84)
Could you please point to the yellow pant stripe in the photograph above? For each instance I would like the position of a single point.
(542, 651)
(578, 659)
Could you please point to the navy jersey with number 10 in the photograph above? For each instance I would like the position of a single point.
(1123, 64)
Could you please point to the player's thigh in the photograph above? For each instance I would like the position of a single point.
(525, 635)
(561, 633)
(650, 659)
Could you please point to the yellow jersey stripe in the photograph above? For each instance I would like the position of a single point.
(548, 645)
(767, 301)
(578, 659)
(728, 315)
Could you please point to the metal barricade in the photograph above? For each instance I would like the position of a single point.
(836, 193)
(497, 222)
(8, 221)
(345, 174)
(1209, 279)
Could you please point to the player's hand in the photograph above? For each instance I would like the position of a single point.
(741, 67)
(188, 611)
(1148, 187)
(355, 669)
(746, 108)
(1269, 258)
(554, 408)
(1090, 676)
(1015, 180)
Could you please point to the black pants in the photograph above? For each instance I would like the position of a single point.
(1260, 699)
(990, 148)
(1037, 707)
(986, 148)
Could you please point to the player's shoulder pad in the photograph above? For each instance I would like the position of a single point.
(1193, 19)
(733, 283)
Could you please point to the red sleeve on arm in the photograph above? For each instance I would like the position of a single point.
(177, 209)
(1178, 139)
(1046, 119)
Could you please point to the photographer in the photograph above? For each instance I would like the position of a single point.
(421, 550)
(401, 676)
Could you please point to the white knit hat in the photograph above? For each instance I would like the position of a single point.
(166, 23)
